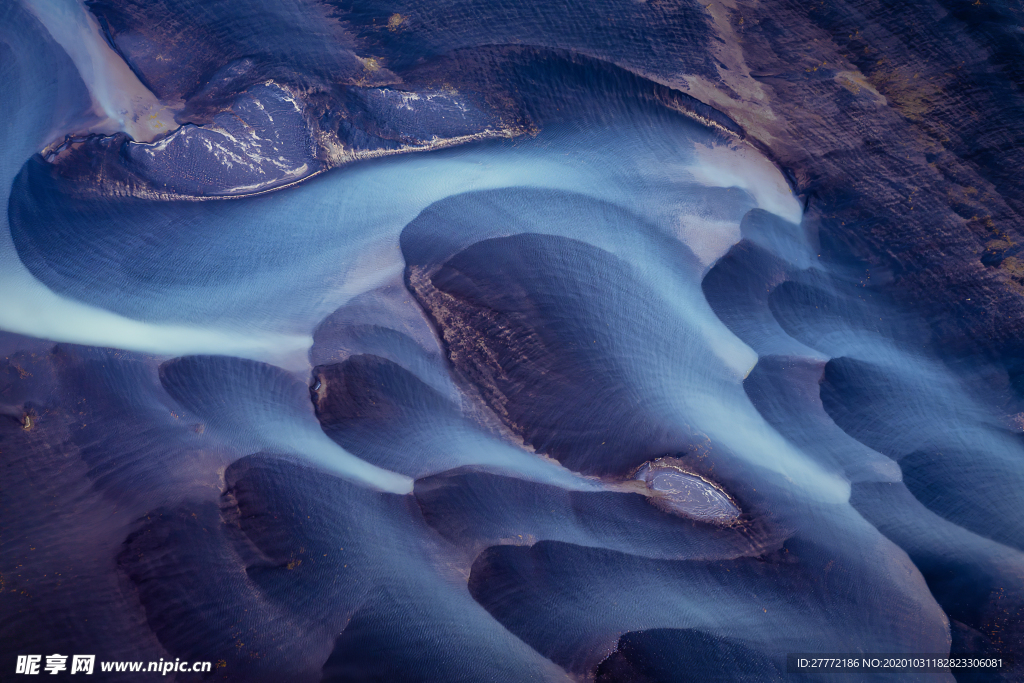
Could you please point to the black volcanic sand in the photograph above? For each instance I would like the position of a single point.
(512, 313)
(90, 443)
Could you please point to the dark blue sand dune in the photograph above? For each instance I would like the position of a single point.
(90, 442)
(506, 295)
(976, 581)
(315, 557)
(514, 582)
(220, 615)
(954, 453)
(483, 509)
(549, 328)
(661, 654)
